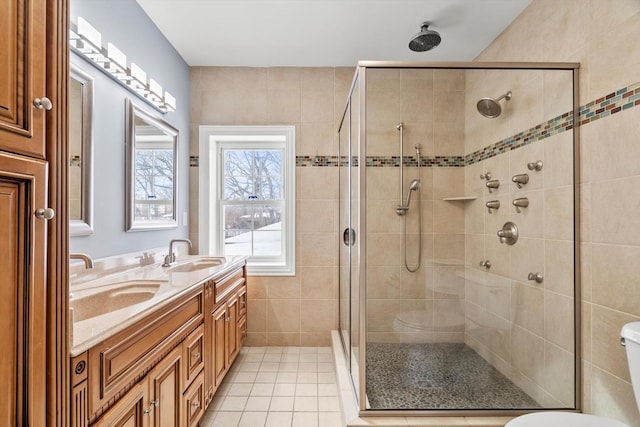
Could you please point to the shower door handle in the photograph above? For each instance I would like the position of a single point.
(349, 236)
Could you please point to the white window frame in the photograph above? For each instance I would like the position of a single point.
(210, 234)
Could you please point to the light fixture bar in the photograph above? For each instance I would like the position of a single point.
(86, 41)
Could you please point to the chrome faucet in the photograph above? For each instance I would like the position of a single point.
(171, 257)
(88, 262)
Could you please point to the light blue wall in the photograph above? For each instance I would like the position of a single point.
(125, 24)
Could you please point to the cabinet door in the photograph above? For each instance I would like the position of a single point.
(232, 329)
(23, 372)
(165, 390)
(209, 339)
(22, 76)
(130, 411)
(219, 344)
(194, 402)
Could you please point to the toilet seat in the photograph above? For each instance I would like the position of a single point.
(563, 419)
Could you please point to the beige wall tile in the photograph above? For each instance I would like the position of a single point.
(283, 79)
(559, 374)
(527, 352)
(558, 266)
(615, 277)
(527, 308)
(527, 256)
(319, 78)
(316, 138)
(283, 339)
(608, 354)
(316, 106)
(257, 319)
(559, 320)
(318, 282)
(283, 106)
(611, 206)
(381, 314)
(558, 213)
(614, 149)
(283, 316)
(612, 397)
(314, 315)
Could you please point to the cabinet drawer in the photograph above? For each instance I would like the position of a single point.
(228, 284)
(119, 360)
(194, 400)
(193, 355)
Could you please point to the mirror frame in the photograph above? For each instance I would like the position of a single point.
(84, 225)
(134, 111)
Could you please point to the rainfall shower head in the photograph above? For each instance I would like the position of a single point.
(490, 107)
(425, 40)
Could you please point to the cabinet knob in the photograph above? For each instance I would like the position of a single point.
(45, 213)
(195, 403)
(43, 103)
(195, 356)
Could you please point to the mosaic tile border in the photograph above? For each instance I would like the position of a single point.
(612, 103)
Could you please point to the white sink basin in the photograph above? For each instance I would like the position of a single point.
(197, 264)
(107, 298)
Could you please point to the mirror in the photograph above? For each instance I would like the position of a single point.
(150, 171)
(80, 155)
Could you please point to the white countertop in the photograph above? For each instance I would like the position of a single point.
(163, 285)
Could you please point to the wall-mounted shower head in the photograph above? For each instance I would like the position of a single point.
(490, 107)
(425, 40)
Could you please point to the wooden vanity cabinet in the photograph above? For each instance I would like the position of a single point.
(163, 370)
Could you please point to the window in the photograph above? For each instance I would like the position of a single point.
(247, 195)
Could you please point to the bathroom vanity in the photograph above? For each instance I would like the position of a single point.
(150, 346)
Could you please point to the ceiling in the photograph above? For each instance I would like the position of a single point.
(261, 33)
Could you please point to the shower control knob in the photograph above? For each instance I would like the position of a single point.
(536, 276)
(485, 263)
(535, 166)
(509, 233)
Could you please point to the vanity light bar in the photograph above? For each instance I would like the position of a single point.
(87, 42)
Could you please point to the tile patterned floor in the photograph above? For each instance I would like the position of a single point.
(277, 387)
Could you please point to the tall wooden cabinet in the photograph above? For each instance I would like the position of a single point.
(31, 131)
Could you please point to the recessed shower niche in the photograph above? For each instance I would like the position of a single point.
(439, 314)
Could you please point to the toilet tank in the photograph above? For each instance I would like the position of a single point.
(631, 334)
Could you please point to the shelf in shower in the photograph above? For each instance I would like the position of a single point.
(459, 199)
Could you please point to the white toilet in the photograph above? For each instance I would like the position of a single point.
(631, 335)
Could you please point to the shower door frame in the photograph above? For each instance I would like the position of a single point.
(360, 78)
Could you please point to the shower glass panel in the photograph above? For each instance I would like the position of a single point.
(349, 283)
(460, 310)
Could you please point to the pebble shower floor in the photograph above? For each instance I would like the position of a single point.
(437, 376)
